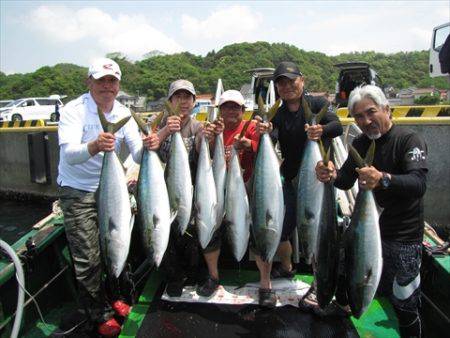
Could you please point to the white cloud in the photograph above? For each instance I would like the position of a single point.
(236, 22)
(380, 26)
(130, 34)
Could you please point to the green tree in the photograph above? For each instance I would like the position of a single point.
(152, 75)
(427, 99)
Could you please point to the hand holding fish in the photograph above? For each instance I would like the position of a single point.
(219, 126)
(208, 131)
(314, 132)
(263, 127)
(325, 173)
(151, 142)
(242, 143)
(173, 124)
(369, 177)
(131, 185)
(104, 142)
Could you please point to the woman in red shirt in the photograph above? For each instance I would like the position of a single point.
(232, 109)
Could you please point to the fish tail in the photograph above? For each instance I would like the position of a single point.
(109, 126)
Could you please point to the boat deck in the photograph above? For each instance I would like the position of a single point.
(153, 317)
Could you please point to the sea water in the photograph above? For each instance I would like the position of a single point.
(18, 217)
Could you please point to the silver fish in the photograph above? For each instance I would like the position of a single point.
(220, 173)
(205, 196)
(309, 200)
(237, 210)
(268, 201)
(114, 209)
(326, 258)
(363, 256)
(309, 190)
(153, 202)
(179, 182)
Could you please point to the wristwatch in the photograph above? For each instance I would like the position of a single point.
(385, 181)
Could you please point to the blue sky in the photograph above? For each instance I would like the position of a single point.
(39, 33)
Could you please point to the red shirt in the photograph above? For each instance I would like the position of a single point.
(247, 157)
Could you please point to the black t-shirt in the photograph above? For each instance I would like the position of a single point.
(289, 129)
(402, 153)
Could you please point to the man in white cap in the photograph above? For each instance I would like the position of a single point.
(82, 144)
(232, 108)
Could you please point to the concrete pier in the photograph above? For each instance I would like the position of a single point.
(16, 164)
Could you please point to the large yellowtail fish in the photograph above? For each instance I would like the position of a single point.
(205, 196)
(153, 200)
(268, 201)
(114, 209)
(363, 257)
(326, 257)
(178, 179)
(237, 210)
(309, 190)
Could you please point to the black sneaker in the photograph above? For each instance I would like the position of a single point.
(279, 272)
(175, 288)
(267, 298)
(208, 287)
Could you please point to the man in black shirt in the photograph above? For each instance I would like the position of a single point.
(398, 180)
(291, 130)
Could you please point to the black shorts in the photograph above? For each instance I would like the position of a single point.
(181, 258)
(216, 241)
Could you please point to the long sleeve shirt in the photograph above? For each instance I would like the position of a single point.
(289, 130)
(402, 153)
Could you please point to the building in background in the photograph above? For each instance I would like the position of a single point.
(138, 102)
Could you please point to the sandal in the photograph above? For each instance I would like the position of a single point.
(279, 272)
(267, 298)
(333, 310)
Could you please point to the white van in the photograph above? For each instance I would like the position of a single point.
(5, 102)
(32, 108)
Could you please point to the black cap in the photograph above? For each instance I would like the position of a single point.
(288, 69)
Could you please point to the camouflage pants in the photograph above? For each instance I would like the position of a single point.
(80, 222)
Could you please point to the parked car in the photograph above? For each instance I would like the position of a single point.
(351, 75)
(32, 108)
(5, 102)
(259, 86)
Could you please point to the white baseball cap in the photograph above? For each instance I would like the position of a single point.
(179, 85)
(104, 66)
(232, 96)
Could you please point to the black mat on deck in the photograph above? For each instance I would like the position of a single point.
(170, 319)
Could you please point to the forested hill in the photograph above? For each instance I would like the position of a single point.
(151, 76)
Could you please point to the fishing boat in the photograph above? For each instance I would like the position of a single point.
(49, 292)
